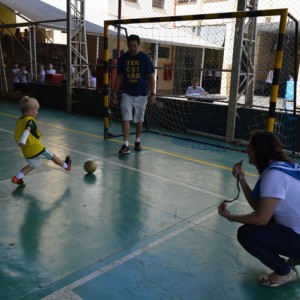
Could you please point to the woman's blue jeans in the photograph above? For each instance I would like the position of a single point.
(268, 242)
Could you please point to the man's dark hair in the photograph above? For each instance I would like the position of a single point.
(133, 37)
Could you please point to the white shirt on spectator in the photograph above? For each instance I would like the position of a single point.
(191, 91)
(51, 71)
(23, 75)
(41, 76)
(93, 82)
(15, 75)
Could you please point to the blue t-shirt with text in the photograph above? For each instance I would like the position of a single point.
(135, 70)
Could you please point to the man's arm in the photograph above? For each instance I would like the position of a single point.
(118, 83)
(152, 83)
(151, 80)
(188, 91)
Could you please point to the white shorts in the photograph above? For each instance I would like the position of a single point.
(36, 161)
(128, 103)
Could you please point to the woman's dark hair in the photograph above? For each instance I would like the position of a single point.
(267, 147)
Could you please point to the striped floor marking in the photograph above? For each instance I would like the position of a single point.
(67, 291)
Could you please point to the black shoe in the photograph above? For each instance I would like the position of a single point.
(68, 161)
(137, 146)
(124, 150)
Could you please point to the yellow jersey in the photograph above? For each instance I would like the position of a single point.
(34, 146)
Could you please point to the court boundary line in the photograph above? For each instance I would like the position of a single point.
(66, 290)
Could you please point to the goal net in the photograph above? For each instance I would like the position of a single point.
(244, 61)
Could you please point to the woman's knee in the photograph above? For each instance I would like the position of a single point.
(245, 234)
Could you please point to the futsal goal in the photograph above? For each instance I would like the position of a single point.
(231, 54)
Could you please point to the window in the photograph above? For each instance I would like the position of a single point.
(49, 36)
(186, 1)
(158, 3)
(163, 52)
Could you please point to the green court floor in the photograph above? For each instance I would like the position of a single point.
(143, 226)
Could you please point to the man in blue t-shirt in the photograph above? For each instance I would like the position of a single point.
(136, 73)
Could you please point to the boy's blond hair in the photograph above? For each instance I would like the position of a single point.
(26, 104)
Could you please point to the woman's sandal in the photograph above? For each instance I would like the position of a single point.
(264, 280)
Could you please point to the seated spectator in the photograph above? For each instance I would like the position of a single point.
(41, 74)
(92, 77)
(26, 35)
(195, 89)
(73, 71)
(63, 70)
(28, 76)
(289, 94)
(50, 70)
(93, 82)
(23, 77)
(269, 81)
(15, 77)
(18, 34)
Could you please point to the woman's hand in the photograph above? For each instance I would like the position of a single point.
(237, 171)
(223, 210)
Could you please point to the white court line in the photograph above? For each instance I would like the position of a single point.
(5, 130)
(10, 148)
(64, 293)
(68, 295)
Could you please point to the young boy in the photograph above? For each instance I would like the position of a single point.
(195, 89)
(28, 136)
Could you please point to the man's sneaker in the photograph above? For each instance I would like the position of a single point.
(124, 150)
(137, 146)
(19, 182)
(68, 161)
